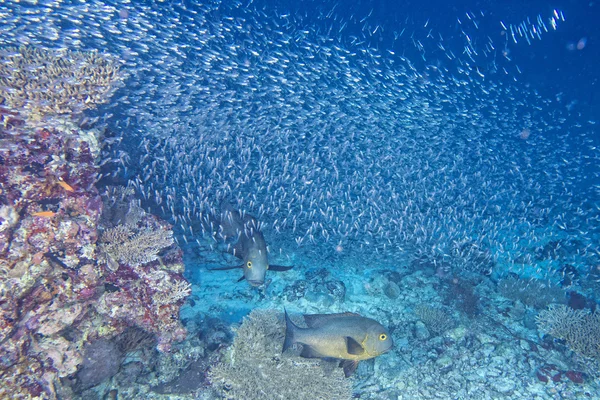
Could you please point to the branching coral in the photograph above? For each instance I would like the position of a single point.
(137, 240)
(118, 201)
(435, 319)
(36, 82)
(579, 328)
(173, 291)
(141, 248)
(256, 369)
(531, 292)
(118, 234)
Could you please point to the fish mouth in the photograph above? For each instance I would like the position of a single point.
(255, 283)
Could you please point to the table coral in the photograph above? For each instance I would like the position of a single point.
(36, 82)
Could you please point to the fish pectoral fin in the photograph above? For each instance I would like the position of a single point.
(226, 268)
(349, 367)
(279, 268)
(353, 347)
(242, 278)
(310, 352)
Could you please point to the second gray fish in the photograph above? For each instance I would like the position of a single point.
(250, 247)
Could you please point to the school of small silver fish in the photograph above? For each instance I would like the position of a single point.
(339, 135)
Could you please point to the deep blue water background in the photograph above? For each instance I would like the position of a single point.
(548, 65)
(552, 67)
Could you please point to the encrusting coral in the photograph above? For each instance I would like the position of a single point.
(57, 291)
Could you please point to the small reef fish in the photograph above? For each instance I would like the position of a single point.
(347, 337)
(250, 247)
(66, 186)
(44, 214)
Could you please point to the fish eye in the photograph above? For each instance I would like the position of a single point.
(383, 337)
(249, 264)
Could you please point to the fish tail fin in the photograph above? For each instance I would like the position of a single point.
(290, 330)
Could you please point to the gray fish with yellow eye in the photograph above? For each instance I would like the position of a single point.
(347, 337)
(250, 247)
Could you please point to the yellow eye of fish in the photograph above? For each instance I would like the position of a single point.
(382, 337)
(249, 264)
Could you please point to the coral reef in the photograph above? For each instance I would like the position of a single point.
(254, 367)
(57, 291)
(47, 261)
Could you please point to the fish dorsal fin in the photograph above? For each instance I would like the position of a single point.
(349, 367)
(353, 347)
(317, 320)
(310, 352)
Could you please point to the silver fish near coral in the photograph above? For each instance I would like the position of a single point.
(250, 247)
(348, 337)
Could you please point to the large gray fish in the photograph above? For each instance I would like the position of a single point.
(348, 337)
(250, 247)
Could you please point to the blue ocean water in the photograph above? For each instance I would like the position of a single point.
(433, 166)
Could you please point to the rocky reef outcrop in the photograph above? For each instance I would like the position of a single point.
(63, 284)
